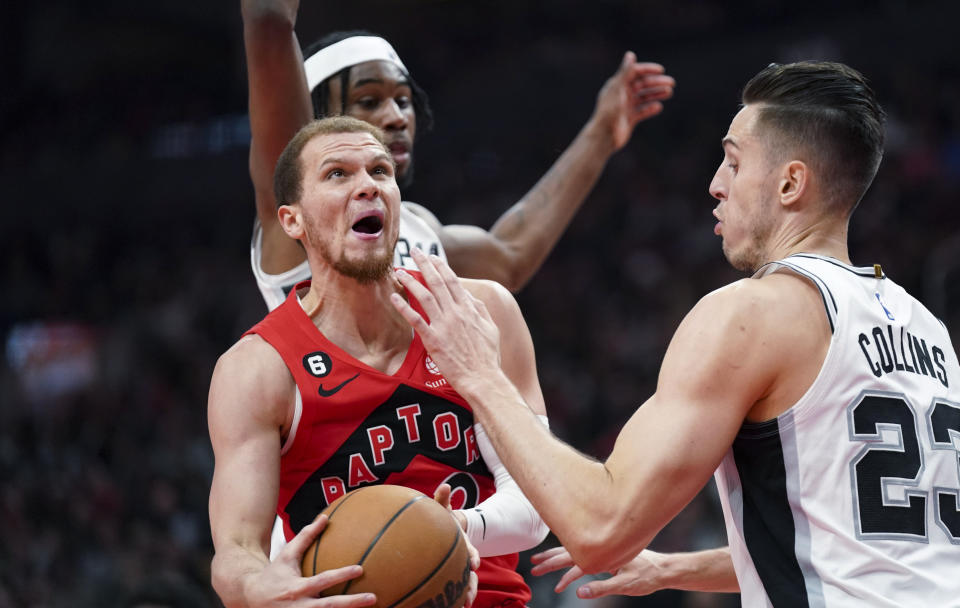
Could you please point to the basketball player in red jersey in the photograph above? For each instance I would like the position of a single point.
(333, 391)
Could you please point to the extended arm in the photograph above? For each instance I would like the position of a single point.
(606, 513)
(279, 104)
(709, 570)
(518, 243)
(507, 522)
(246, 413)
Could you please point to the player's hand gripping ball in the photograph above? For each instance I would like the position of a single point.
(412, 551)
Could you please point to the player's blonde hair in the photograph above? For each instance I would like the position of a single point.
(288, 175)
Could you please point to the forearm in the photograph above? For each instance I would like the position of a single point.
(505, 522)
(530, 228)
(709, 570)
(278, 99)
(562, 484)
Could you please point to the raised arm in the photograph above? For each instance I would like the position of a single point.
(246, 415)
(279, 104)
(518, 243)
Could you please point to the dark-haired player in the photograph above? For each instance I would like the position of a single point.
(824, 398)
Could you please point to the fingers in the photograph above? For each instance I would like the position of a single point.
(568, 577)
(659, 87)
(630, 65)
(550, 561)
(346, 601)
(328, 578)
(422, 295)
(442, 495)
(298, 545)
(430, 269)
(472, 589)
(452, 281)
(474, 555)
(645, 111)
(599, 588)
(536, 558)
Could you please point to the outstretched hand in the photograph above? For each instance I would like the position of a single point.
(639, 576)
(634, 93)
(460, 335)
(281, 583)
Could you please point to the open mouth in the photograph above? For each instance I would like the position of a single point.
(371, 224)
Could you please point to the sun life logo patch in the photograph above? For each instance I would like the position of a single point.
(431, 366)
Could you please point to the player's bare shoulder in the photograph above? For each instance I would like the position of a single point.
(500, 303)
(251, 379)
(767, 303)
(766, 321)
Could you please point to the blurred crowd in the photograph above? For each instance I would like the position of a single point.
(127, 215)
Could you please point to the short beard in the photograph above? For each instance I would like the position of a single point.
(751, 259)
(365, 271)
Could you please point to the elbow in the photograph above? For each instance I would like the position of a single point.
(603, 548)
(590, 553)
(536, 533)
(517, 275)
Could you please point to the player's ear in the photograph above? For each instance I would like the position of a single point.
(291, 220)
(794, 182)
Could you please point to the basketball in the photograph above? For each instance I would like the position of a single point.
(411, 549)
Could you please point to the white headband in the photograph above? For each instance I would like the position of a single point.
(348, 52)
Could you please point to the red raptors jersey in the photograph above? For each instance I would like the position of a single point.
(359, 426)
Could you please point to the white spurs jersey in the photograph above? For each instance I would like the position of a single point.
(414, 232)
(850, 497)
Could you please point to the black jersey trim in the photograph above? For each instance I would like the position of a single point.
(821, 286)
(768, 527)
(863, 271)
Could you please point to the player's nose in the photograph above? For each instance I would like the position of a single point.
(367, 187)
(718, 188)
(393, 116)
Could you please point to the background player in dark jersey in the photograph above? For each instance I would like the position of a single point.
(383, 93)
(341, 200)
(829, 424)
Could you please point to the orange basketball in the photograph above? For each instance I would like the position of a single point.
(411, 549)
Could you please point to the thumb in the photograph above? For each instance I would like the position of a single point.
(629, 58)
(299, 544)
(442, 495)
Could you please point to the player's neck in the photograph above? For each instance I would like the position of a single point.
(360, 319)
(827, 238)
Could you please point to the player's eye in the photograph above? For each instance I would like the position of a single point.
(403, 102)
(335, 173)
(368, 103)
